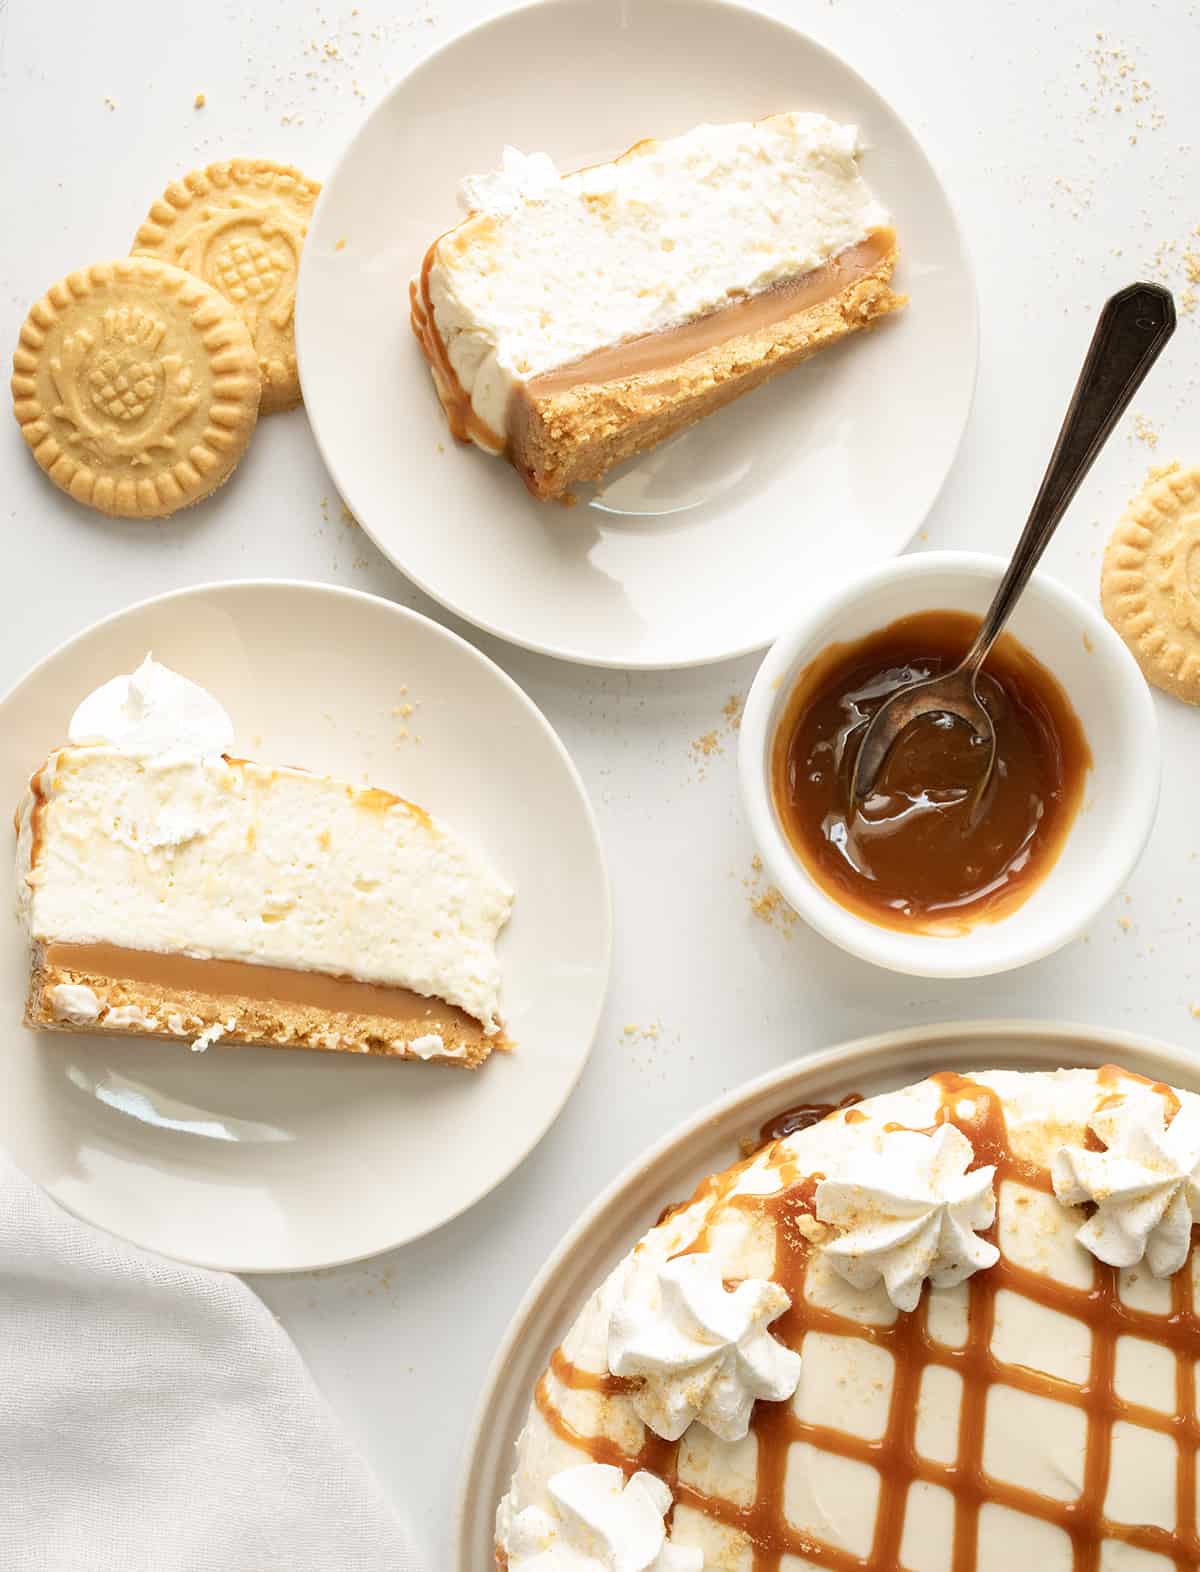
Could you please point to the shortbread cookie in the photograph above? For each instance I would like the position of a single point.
(1150, 585)
(240, 226)
(136, 386)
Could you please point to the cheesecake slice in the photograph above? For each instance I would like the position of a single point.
(174, 891)
(573, 321)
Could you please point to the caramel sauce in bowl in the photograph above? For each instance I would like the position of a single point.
(941, 842)
(927, 876)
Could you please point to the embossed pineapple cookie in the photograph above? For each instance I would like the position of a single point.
(240, 227)
(136, 387)
(1150, 586)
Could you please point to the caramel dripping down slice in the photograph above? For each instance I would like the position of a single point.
(573, 424)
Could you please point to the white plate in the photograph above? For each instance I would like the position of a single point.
(707, 547)
(670, 1171)
(262, 1160)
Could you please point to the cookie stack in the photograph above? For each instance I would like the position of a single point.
(138, 383)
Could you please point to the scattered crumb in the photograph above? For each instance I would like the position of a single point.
(1087, 643)
(1195, 1008)
(642, 1033)
(340, 245)
(1144, 430)
(771, 908)
(110, 104)
(768, 903)
(199, 101)
(707, 744)
(1187, 301)
(347, 517)
(732, 710)
(1157, 471)
(1123, 922)
(1115, 82)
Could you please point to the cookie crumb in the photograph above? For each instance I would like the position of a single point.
(638, 1033)
(732, 711)
(340, 245)
(1144, 430)
(1124, 923)
(199, 101)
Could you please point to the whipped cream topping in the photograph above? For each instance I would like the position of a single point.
(835, 1496)
(550, 268)
(910, 1212)
(703, 1351)
(1145, 1185)
(597, 1523)
(152, 709)
(151, 840)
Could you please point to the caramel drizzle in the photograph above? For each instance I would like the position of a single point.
(894, 1456)
(465, 425)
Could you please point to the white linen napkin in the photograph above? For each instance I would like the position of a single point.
(156, 1418)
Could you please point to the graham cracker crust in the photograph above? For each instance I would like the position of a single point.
(182, 1015)
(567, 437)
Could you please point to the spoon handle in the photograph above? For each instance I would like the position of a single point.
(1133, 329)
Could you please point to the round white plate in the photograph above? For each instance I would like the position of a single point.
(708, 1142)
(263, 1160)
(708, 546)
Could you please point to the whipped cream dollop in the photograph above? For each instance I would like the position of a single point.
(598, 1524)
(910, 1212)
(549, 268)
(703, 1351)
(1145, 1185)
(154, 710)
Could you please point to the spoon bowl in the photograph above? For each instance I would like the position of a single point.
(1132, 331)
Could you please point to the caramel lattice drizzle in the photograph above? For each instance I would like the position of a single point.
(894, 1456)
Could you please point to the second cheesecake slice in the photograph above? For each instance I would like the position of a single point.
(177, 891)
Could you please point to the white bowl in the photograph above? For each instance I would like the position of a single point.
(1120, 797)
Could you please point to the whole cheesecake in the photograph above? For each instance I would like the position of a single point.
(949, 1329)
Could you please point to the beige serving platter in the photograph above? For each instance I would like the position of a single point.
(709, 1141)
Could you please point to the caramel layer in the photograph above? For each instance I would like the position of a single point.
(746, 314)
(652, 351)
(277, 984)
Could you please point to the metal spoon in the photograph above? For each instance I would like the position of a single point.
(1134, 327)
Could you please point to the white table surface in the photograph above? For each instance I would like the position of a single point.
(1068, 187)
